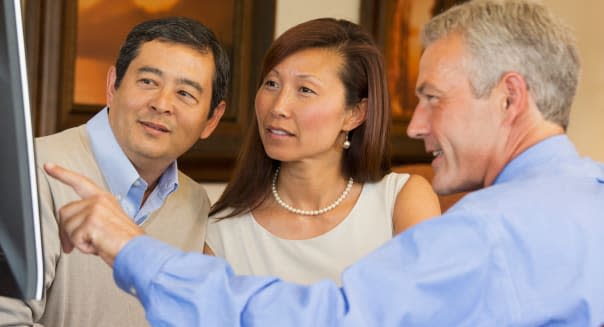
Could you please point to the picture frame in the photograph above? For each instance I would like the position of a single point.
(52, 37)
(396, 26)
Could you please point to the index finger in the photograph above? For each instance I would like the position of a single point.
(83, 186)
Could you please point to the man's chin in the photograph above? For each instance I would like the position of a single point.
(443, 191)
(451, 187)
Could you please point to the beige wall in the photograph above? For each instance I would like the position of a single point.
(292, 12)
(587, 118)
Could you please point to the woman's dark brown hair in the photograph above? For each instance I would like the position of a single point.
(368, 158)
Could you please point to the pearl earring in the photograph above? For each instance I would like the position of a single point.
(346, 144)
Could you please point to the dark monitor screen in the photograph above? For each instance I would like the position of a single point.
(21, 268)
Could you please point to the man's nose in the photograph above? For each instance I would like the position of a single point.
(419, 126)
(163, 101)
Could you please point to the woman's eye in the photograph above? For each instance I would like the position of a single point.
(304, 89)
(270, 83)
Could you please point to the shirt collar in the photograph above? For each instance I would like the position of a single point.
(534, 159)
(118, 171)
(168, 181)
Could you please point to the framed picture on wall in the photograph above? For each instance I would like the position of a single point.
(73, 43)
(396, 27)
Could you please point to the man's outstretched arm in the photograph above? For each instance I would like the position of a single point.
(427, 276)
(192, 289)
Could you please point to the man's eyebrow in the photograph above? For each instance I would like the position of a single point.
(147, 69)
(158, 72)
(426, 87)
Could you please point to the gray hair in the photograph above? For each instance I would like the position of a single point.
(519, 36)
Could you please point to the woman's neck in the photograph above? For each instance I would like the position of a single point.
(310, 186)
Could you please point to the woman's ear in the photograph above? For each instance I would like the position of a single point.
(356, 115)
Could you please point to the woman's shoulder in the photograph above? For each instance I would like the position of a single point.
(396, 176)
(222, 231)
(392, 181)
(381, 195)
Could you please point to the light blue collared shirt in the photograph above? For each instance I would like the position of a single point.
(526, 251)
(121, 176)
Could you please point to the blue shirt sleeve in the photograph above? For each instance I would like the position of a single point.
(425, 277)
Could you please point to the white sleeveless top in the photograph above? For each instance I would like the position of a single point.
(253, 250)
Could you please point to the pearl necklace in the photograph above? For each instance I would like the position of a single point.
(308, 212)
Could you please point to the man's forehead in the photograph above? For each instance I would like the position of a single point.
(168, 47)
(450, 47)
(442, 59)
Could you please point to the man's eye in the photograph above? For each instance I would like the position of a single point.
(146, 81)
(431, 98)
(185, 93)
(188, 97)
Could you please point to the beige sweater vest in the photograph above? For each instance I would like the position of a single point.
(79, 289)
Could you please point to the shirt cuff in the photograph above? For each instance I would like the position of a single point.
(139, 262)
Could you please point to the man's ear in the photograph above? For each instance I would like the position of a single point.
(110, 85)
(213, 121)
(356, 115)
(516, 95)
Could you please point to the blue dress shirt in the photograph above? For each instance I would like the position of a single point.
(526, 251)
(120, 175)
